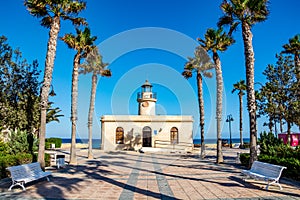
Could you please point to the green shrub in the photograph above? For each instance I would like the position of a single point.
(3, 148)
(56, 141)
(47, 159)
(275, 152)
(47, 145)
(21, 142)
(12, 160)
(18, 159)
(246, 145)
(268, 143)
(292, 164)
(244, 158)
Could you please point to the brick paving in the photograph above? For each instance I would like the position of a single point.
(133, 175)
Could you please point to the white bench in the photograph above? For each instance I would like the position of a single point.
(23, 174)
(265, 171)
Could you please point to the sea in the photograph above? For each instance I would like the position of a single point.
(97, 142)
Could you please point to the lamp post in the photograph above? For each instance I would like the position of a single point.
(229, 120)
(52, 93)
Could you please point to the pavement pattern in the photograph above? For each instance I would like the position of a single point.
(132, 175)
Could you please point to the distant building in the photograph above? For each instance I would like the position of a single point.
(294, 138)
(124, 132)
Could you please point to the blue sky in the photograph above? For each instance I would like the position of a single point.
(143, 39)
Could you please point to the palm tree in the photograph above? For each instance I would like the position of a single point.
(247, 13)
(200, 64)
(83, 43)
(93, 64)
(217, 40)
(51, 13)
(240, 87)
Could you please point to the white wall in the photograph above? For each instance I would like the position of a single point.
(160, 126)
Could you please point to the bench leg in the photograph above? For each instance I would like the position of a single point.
(275, 182)
(21, 184)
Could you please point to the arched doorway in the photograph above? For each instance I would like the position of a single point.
(174, 135)
(147, 136)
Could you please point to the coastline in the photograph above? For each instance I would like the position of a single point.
(78, 146)
(85, 146)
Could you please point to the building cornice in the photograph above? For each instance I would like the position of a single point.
(146, 118)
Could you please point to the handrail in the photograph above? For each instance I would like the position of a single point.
(168, 143)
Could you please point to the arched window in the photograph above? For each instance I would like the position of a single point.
(119, 135)
(174, 135)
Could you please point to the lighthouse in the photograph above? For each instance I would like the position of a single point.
(146, 99)
(133, 132)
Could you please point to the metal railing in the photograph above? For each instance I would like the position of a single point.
(169, 145)
(151, 96)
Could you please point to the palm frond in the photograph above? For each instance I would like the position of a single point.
(93, 63)
(216, 40)
(106, 73)
(239, 86)
(208, 74)
(74, 7)
(46, 21)
(187, 74)
(66, 9)
(70, 40)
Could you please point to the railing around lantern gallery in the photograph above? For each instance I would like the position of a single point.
(141, 95)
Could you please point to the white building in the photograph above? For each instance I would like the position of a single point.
(122, 132)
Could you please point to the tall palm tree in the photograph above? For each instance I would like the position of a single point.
(200, 64)
(240, 87)
(217, 40)
(93, 64)
(83, 43)
(51, 13)
(247, 13)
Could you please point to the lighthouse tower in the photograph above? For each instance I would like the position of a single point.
(146, 99)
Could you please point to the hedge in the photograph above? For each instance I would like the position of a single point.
(291, 163)
(12, 160)
(244, 158)
(18, 159)
(56, 141)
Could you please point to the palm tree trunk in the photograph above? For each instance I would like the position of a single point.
(297, 60)
(281, 124)
(271, 124)
(297, 66)
(74, 94)
(289, 133)
(49, 64)
(201, 112)
(241, 120)
(219, 105)
(91, 112)
(249, 59)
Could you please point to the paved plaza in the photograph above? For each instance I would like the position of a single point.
(133, 175)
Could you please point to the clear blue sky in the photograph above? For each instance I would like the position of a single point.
(143, 39)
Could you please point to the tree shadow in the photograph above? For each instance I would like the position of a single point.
(94, 171)
(247, 184)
